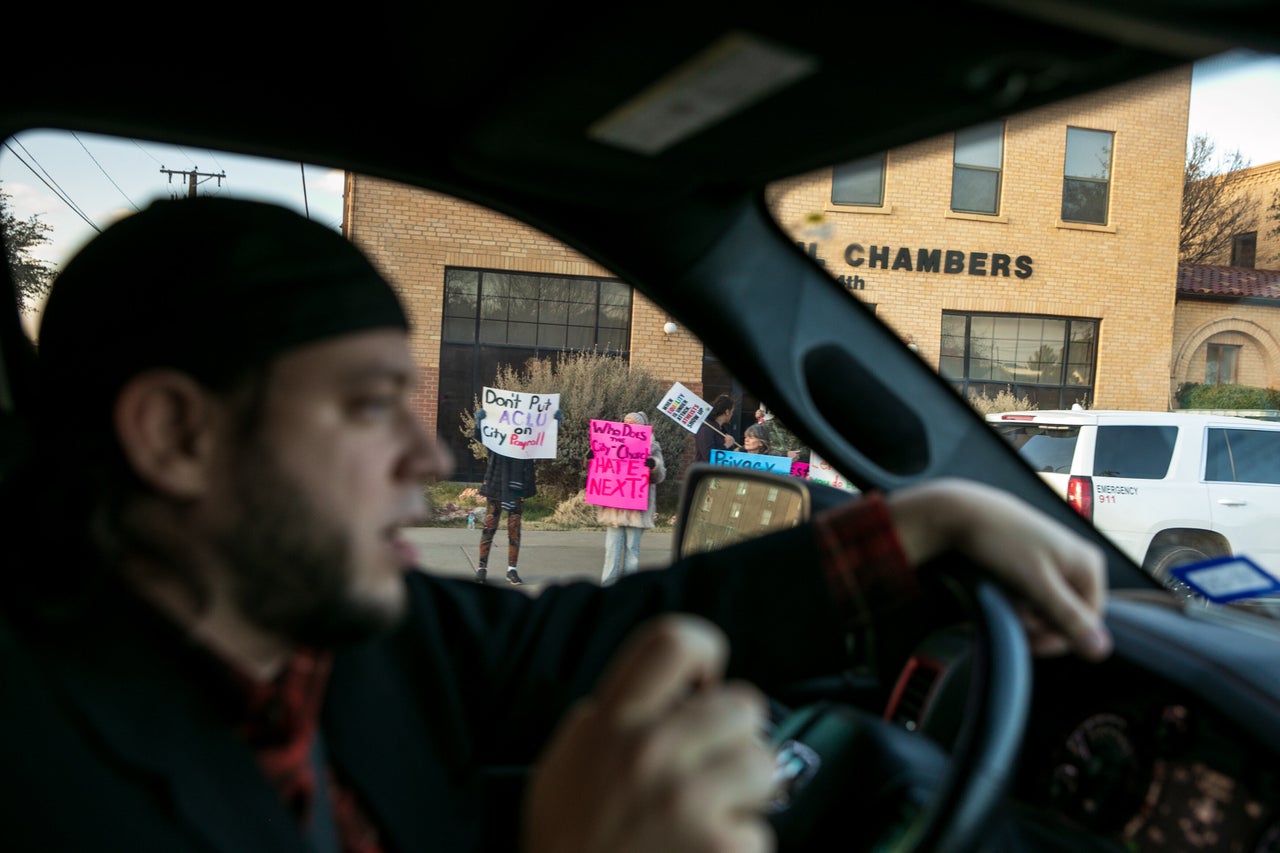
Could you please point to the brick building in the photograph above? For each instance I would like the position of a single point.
(483, 289)
(1227, 320)
(1227, 326)
(1258, 245)
(1041, 216)
(996, 251)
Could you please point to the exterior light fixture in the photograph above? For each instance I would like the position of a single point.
(669, 328)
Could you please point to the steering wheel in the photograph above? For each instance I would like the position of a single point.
(858, 782)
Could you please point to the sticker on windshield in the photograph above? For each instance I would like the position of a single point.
(1225, 579)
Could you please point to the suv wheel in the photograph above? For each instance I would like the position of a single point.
(1160, 560)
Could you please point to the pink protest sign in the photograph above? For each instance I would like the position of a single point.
(616, 475)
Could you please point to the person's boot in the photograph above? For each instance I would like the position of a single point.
(513, 577)
(481, 573)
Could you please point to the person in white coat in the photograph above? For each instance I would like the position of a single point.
(624, 527)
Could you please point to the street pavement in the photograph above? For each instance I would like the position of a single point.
(546, 556)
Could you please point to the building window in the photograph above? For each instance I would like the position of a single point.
(538, 311)
(1086, 179)
(1220, 364)
(1244, 249)
(975, 175)
(494, 319)
(860, 182)
(1048, 360)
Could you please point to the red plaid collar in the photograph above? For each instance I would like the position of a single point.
(278, 720)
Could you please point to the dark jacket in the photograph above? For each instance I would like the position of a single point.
(110, 743)
(705, 441)
(501, 475)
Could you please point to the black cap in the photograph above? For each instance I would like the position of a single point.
(210, 286)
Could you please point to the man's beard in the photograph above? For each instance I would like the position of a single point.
(291, 572)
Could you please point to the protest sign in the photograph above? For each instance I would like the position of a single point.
(820, 471)
(616, 475)
(685, 407)
(519, 424)
(800, 469)
(757, 461)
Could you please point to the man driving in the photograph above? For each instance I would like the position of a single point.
(214, 636)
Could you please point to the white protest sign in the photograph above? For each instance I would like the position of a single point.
(820, 471)
(685, 407)
(519, 424)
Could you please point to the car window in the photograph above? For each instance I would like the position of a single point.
(1243, 456)
(1047, 448)
(495, 302)
(1117, 251)
(1033, 261)
(1137, 451)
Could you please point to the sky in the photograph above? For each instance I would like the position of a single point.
(1235, 101)
(79, 183)
(72, 181)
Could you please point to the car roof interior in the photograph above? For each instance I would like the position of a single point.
(550, 117)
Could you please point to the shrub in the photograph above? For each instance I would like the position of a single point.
(1193, 395)
(590, 385)
(448, 504)
(574, 512)
(1005, 401)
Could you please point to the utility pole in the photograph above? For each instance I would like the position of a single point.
(191, 177)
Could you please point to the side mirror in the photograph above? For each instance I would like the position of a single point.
(721, 505)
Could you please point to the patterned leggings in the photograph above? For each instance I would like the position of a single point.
(514, 514)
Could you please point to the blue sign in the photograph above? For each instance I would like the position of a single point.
(758, 461)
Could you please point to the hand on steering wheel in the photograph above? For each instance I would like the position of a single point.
(861, 783)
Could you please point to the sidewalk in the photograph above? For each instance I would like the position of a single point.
(546, 556)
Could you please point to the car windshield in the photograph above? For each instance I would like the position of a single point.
(1088, 255)
(1041, 261)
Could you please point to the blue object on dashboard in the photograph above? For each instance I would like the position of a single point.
(1224, 579)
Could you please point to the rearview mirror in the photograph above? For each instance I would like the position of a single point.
(723, 505)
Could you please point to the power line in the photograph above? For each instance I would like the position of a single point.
(104, 171)
(305, 208)
(214, 157)
(48, 180)
(51, 185)
(138, 145)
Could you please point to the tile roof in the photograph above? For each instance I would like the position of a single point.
(1241, 282)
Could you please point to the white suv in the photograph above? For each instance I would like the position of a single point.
(1168, 487)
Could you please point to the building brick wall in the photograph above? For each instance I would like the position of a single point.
(412, 235)
(1251, 326)
(1122, 273)
(1261, 184)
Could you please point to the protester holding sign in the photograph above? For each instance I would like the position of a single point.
(508, 480)
(781, 439)
(518, 424)
(625, 515)
(756, 439)
(754, 461)
(714, 431)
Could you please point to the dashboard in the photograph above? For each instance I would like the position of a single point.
(1170, 744)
